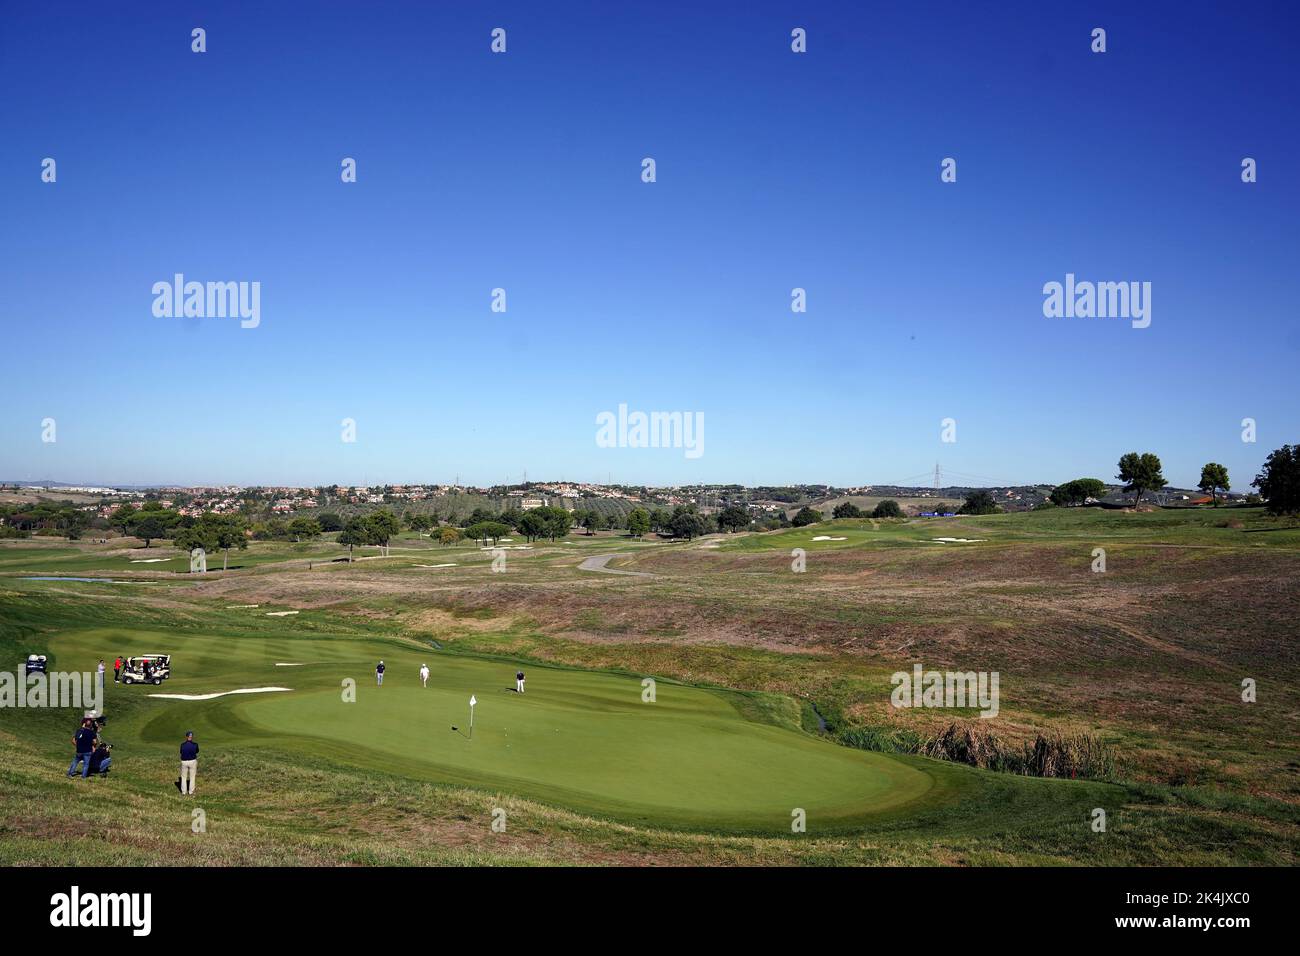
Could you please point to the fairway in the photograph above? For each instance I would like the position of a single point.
(587, 741)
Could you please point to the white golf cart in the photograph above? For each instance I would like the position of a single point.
(147, 669)
(35, 664)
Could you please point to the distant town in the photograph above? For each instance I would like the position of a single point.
(449, 502)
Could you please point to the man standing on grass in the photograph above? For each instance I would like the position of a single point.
(117, 669)
(379, 675)
(519, 682)
(189, 763)
(424, 674)
(84, 739)
(100, 675)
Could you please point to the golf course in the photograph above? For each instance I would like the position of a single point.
(711, 708)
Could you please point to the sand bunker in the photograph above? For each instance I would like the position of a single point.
(452, 565)
(148, 560)
(826, 537)
(280, 613)
(236, 607)
(224, 693)
(957, 540)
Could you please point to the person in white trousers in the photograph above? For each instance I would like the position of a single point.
(189, 763)
(519, 682)
(424, 674)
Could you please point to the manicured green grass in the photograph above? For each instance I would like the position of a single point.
(22, 558)
(1235, 527)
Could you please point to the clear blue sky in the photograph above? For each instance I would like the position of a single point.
(522, 171)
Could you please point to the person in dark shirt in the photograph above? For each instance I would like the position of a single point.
(379, 674)
(519, 682)
(101, 761)
(189, 763)
(84, 739)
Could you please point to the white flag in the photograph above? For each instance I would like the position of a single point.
(472, 700)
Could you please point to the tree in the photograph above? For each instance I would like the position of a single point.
(591, 520)
(478, 516)
(638, 521)
(213, 532)
(979, 503)
(198, 535)
(449, 535)
(558, 520)
(806, 516)
(274, 530)
(355, 532)
(484, 530)
(532, 525)
(1140, 473)
(230, 534)
(846, 509)
(1078, 491)
(122, 518)
(660, 518)
(304, 528)
(383, 525)
(734, 518)
(148, 527)
(688, 524)
(887, 509)
(329, 521)
(1213, 477)
(1279, 482)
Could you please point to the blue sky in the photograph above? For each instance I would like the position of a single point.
(522, 171)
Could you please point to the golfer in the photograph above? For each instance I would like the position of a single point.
(100, 672)
(189, 762)
(519, 682)
(424, 674)
(379, 674)
(117, 669)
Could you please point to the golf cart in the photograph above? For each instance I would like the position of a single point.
(35, 664)
(147, 669)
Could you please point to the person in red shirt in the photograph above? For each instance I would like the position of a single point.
(117, 668)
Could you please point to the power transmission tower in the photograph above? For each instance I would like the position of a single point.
(936, 476)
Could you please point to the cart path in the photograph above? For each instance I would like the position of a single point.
(598, 562)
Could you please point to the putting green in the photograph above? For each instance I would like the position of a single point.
(579, 739)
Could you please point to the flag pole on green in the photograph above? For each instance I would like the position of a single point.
(472, 701)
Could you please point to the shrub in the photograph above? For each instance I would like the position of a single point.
(887, 509)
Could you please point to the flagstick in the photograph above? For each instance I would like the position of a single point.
(472, 702)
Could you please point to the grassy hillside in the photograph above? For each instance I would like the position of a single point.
(1147, 658)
